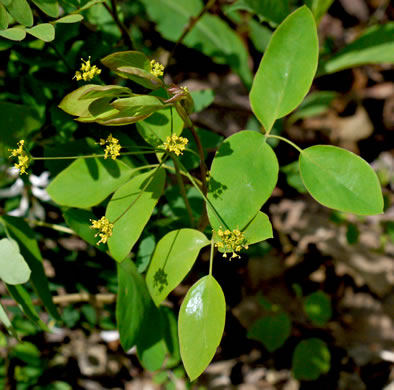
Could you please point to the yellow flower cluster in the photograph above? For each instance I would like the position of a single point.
(104, 227)
(87, 71)
(231, 241)
(156, 68)
(23, 158)
(175, 144)
(112, 147)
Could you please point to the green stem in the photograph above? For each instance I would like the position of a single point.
(286, 140)
(211, 257)
(189, 27)
(92, 156)
(52, 226)
(183, 192)
(190, 177)
(182, 173)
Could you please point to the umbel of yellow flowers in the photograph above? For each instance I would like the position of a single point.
(23, 158)
(104, 229)
(231, 241)
(112, 147)
(175, 144)
(87, 71)
(156, 68)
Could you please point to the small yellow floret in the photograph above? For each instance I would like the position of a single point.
(231, 241)
(104, 227)
(112, 147)
(87, 71)
(156, 68)
(175, 144)
(23, 158)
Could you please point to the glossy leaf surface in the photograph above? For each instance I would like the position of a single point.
(87, 182)
(133, 204)
(244, 168)
(341, 180)
(201, 324)
(172, 259)
(287, 69)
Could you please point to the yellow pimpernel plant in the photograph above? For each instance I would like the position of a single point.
(231, 241)
(112, 147)
(175, 144)
(104, 228)
(23, 157)
(156, 68)
(87, 72)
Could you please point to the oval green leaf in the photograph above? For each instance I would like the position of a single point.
(243, 175)
(173, 258)
(311, 358)
(133, 204)
(3, 17)
(14, 34)
(132, 305)
(45, 32)
(50, 7)
(317, 307)
(287, 69)
(87, 182)
(272, 331)
(20, 11)
(201, 324)
(13, 267)
(341, 180)
(70, 19)
(73, 104)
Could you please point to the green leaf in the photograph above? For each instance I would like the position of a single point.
(21, 12)
(317, 307)
(272, 10)
(132, 305)
(13, 267)
(311, 358)
(49, 7)
(133, 204)
(318, 7)
(375, 46)
(20, 294)
(72, 103)
(133, 65)
(287, 69)
(70, 19)
(244, 168)
(20, 231)
(341, 180)
(202, 99)
(259, 229)
(171, 336)
(6, 321)
(14, 34)
(139, 104)
(201, 323)
(100, 91)
(151, 348)
(272, 331)
(144, 253)
(210, 35)
(260, 35)
(173, 258)
(45, 32)
(3, 17)
(17, 121)
(79, 221)
(96, 178)
(155, 129)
